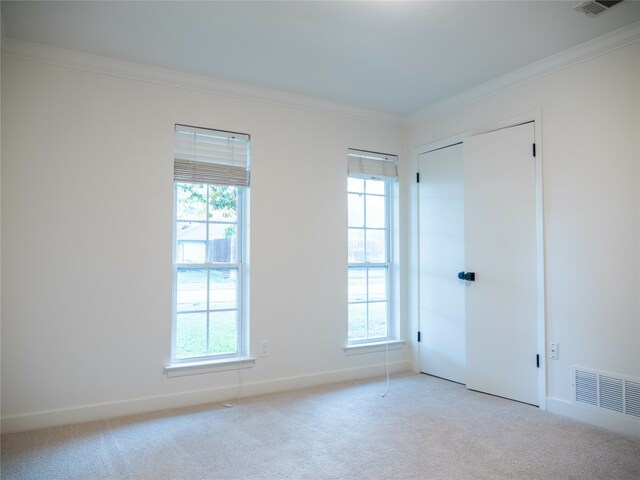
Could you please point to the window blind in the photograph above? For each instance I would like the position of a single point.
(371, 165)
(210, 156)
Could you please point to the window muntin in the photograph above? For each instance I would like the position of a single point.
(369, 302)
(208, 271)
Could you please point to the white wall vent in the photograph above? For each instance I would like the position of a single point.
(595, 8)
(632, 398)
(613, 392)
(586, 387)
(611, 396)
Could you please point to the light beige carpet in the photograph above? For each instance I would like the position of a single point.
(425, 428)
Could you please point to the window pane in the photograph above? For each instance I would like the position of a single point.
(375, 186)
(223, 244)
(376, 248)
(357, 321)
(356, 245)
(223, 203)
(223, 284)
(191, 201)
(368, 286)
(192, 290)
(377, 320)
(377, 284)
(223, 332)
(376, 212)
(191, 334)
(191, 242)
(357, 284)
(356, 210)
(355, 185)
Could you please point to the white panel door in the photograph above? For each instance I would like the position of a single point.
(441, 250)
(500, 248)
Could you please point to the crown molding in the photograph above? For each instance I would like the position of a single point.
(607, 43)
(163, 76)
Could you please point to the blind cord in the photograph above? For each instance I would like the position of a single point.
(230, 403)
(386, 364)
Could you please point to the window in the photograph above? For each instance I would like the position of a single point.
(211, 177)
(370, 183)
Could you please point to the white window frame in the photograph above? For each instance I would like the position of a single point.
(239, 266)
(388, 265)
(210, 157)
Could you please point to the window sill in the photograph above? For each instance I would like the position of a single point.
(210, 366)
(374, 347)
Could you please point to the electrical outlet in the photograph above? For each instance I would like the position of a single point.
(553, 351)
(264, 348)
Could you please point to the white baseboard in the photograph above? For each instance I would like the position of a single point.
(86, 413)
(595, 416)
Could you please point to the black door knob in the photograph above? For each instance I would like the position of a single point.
(468, 276)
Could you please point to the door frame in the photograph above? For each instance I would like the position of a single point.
(535, 117)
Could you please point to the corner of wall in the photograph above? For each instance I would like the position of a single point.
(592, 416)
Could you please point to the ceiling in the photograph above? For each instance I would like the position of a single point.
(394, 56)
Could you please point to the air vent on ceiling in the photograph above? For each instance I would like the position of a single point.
(610, 391)
(593, 9)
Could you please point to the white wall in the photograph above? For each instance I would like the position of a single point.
(87, 241)
(86, 199)
(591, 158)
